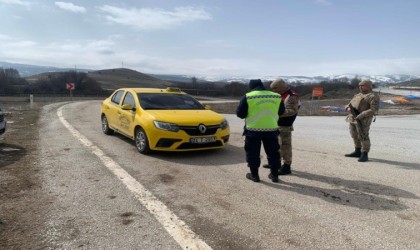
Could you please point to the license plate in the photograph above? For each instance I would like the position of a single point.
(201, 140)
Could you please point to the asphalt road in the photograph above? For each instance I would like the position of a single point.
(108, 196)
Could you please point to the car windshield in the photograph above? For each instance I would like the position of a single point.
(168, 101)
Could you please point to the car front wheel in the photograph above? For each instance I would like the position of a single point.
(142, 143)
(105, 126)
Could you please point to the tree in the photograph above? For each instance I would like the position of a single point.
(10, 82)
(355, 82)
(235, 89)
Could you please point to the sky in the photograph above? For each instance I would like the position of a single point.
(216, 38)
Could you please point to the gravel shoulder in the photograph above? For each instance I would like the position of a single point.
(22, 202)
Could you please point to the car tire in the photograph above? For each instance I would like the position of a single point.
(105, 126)
(142, 142)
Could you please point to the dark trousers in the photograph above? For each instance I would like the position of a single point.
(253, 151)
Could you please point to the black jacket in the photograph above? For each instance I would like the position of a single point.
(287, 121)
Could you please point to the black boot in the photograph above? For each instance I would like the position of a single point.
(285, 169)
(356, 153)
(273, 177)
(363, 157)
(274, 173)
(252, 177)
(266, 166)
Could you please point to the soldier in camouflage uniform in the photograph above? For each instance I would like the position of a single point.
(285, 122)
(366, 105)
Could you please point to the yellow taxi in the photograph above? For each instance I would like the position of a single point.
(163, 120)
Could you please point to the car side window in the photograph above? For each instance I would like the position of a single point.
(117, 97)
(129, 99)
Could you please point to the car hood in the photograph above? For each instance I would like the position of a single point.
(186, 117)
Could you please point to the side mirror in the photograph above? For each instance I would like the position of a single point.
(206, 106)
(127, 107)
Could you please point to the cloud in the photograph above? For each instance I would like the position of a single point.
(106, 53)
(387, 66)
(323, 2)
(154, 19)
(71, 7)
(218, 43)
(4, 37)
(209, 68)
(22, 44)
(16, 2)
(89, 54)
(102, 54)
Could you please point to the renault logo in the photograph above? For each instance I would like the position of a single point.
(202, 128)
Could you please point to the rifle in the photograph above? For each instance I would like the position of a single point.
(355, 113)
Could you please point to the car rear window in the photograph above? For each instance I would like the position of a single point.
(168, 101)
(117, 97)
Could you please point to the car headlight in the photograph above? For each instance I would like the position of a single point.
(166, 126)
(224, 124)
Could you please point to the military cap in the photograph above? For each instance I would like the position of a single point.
(279, 85)
(367, 83)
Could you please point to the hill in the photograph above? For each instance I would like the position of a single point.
(412, 83)
(111, 79)
(26, 70)
(121, 77)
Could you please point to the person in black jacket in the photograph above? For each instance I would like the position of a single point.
(261, 108)
(292, 104)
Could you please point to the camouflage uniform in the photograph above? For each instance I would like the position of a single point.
(366, 105)
(285, 123)
(291, 104)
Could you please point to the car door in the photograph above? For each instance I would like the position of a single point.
(113, 110)
(127, 116)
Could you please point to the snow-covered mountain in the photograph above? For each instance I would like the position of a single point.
(378, 79)
(28, 70)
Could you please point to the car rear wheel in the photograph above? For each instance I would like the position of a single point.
(142, 143)
(105, 126)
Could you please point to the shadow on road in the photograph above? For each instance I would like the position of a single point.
(404, 165)
(226, 156)
(361, 194)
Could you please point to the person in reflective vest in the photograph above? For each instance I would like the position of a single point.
(261, 109)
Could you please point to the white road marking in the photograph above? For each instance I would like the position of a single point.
(177, 228)
(10, 149)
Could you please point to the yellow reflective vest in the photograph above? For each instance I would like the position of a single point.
(263, 110)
